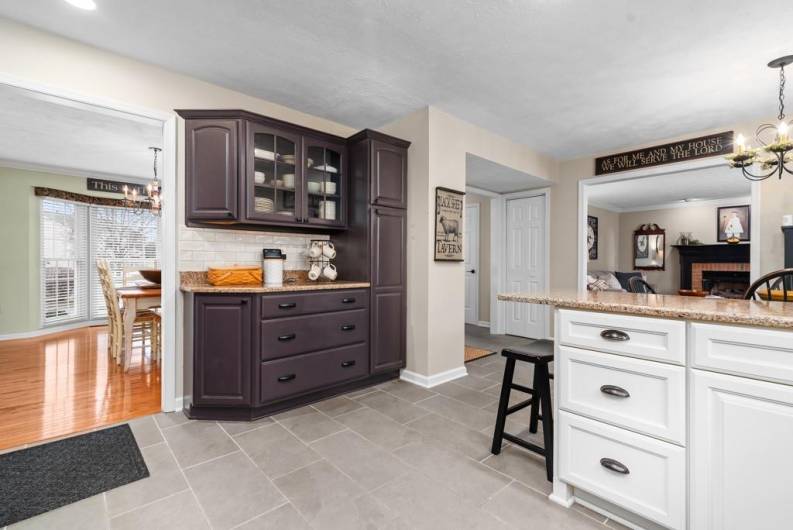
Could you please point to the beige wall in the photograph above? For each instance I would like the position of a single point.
(484, 253)
(608, 240)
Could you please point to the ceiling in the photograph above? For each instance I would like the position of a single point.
(670, 189)
(567, 77)
(490, 176)
(52, 133)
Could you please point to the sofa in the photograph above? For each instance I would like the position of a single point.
(611, 280)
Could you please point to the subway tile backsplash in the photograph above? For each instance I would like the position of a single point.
(201, 248)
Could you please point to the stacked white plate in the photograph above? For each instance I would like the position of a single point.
(263, 204)
(288, 159)
(263, 154)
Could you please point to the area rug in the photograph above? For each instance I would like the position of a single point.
(48, 476)
(472, 353)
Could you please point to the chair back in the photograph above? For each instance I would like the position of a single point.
(638, 285)
(109, 291)
(777, 286)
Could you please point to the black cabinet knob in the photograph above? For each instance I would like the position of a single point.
(286, 378)
(347, 364)
(615, 335)
(348, 327)
(616, 391)
(615, 466)
(285, 338)
(288, 305)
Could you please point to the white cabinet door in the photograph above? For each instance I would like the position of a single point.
(741, 453)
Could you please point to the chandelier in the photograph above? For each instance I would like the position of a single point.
(775, 153)
(151, 201)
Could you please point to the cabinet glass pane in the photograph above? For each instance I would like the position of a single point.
(274, 174)
(323, 182)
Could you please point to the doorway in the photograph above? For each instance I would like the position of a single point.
(472, 269)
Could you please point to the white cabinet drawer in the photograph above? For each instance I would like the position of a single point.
(649, 338)
(653, 478)
(762, 353)
(644, 396)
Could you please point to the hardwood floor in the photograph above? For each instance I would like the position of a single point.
(64, 383)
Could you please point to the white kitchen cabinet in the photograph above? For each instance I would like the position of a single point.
(741, 453)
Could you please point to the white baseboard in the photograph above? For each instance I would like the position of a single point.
(483, 324)
(179, 403)
(429, 381)
(54, 329)
(561, 501)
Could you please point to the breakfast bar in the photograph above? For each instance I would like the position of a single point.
(661, 403)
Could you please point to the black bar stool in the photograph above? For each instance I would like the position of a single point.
(538, 353)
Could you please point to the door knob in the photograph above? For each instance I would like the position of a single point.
(472, 271)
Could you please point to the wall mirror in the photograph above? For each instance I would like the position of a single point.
(649, 247)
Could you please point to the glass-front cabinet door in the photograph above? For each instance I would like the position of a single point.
(323, 165)
(273, 175)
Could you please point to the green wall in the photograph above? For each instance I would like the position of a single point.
(19, 243)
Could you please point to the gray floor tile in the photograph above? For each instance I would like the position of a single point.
(522, 507)
(178, 512)
(283, 518)
(165, 479)
(468, 415)
(232, 490)
(378, 428)
(464, 394)
(362, 392)
(522, 465)
(317, 489)
(88, 514)
(198, 441)
(238, 427)
(169, 419)
(366, 463)
(275, 450)
(461, 474)
(407, 391)
(362, 513)
(337, 405)
(146, 431)
(308, 424)
(458, 437)
(474, 382)
(397, 409)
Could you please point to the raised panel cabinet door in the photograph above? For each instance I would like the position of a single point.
(389, 175)
(741, 461)
(212, 171)
(389, 239)
(388, 330)
(222, 349)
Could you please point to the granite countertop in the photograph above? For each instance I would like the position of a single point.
(720, 310)
(294, 281)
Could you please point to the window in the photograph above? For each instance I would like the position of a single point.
(73, 237)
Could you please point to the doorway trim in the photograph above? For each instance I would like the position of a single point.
(498, 254)
(477, 265)
(682, 167)
(169, 401)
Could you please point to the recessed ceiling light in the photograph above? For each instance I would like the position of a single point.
(88, 5)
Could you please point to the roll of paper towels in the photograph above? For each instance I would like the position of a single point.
(787, 219)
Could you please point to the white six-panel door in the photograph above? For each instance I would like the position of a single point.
(471, 256)
(526, 264)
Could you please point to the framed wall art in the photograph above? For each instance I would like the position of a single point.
(449, 224)
(733, 223)
(592, 236)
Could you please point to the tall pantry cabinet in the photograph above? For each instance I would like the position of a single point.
(375, 245)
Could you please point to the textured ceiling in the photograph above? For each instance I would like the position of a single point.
(663, 190)
(490, 176)
(567, 77)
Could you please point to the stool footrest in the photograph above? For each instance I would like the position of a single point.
(524, 389)
(520, 406)
(523, 443)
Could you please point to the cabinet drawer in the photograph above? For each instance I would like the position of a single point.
(291, 336)
(645, 396)
(305, 373)
(639, 473)
(649, 338)
(287, 305)
(762, 353)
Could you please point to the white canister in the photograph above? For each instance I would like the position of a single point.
(787, 219)
(327, 210)
(273, 267)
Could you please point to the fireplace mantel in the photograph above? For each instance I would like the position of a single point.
(724, 253)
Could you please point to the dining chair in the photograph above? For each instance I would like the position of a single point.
(638, 285)
(778, 287)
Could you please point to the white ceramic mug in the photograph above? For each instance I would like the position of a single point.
(315, 250)
(330, 271)
(314, 272)
(329, 250)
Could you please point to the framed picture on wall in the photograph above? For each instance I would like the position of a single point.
(733, 223)
(592, 236)
(448, 224)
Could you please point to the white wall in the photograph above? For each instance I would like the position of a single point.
(608, 240)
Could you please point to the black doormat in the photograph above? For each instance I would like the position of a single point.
(45, 477)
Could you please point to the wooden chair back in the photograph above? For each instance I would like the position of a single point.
(638, 285)
(776, 286)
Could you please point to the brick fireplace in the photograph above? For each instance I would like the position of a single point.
(697, 270)
(714, 264)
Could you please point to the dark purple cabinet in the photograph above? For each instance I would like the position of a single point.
(389, 174)
(222, 350)
(213, 169)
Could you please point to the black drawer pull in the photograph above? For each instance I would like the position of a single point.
(285, 338)
(348, 327)
(615, 335)
(348, 300)
(286, 378)
(615, 466)
(616, 391)
(289, 305)
(347, 364)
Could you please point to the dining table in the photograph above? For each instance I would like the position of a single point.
(135, 298)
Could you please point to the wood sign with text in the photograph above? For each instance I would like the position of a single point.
(113, 186)
(711, 145)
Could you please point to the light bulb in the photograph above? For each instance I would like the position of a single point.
(782, 132)
(740, 144)
(88, 5)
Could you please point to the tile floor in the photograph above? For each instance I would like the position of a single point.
(393, 456)
(480, 337)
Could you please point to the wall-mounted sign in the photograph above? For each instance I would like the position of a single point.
(113, 186)
(712, 145)
(449, 224)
